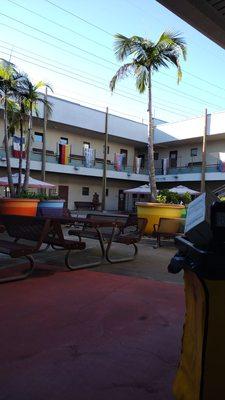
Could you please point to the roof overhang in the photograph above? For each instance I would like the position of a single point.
(207, 16)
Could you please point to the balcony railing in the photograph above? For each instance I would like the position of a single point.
(189, 169)
(78, 162)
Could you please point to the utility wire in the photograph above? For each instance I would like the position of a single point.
(94, 62)
(14, 19)
(71, 71)
(54, 45)
(78, 17)
(58, 39)
(96, 26)
(60, 25)
(195, 87)
(91, 84)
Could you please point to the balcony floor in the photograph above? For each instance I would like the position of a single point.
(106, 333)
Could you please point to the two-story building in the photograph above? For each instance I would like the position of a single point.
(83, 128)
(178, 153)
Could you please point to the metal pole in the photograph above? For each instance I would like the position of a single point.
(104, 176)
(204, 143)
(44, 138)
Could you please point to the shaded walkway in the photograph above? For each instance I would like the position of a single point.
(89, 336)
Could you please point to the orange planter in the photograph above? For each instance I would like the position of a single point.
(26, 207)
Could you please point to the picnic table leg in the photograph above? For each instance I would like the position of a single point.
(22, 276)
(90, 264)
(80, 266)
(118, 260)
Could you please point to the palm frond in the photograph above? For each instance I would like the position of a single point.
(173, 39)
(142, 75)
(122, 72)
(125, 46)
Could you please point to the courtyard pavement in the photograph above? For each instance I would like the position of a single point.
(110, 332)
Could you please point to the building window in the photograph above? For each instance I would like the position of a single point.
(85, 191)
(107, 192)
(156, 156)
(63, 140)
(194, 152)
(38, 137)
(86, 145)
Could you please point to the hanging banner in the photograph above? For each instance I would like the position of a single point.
(165, 164)
(221, 162)
(89, 158)
(118, 161)
(16, 152)
(64, 153)
(137, 165)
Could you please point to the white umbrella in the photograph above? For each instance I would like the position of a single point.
(183, 189)
(144, 189)
(33, 183)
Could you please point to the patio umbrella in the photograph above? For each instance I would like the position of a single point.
(144, 189)
(32, 183)
(180, 189)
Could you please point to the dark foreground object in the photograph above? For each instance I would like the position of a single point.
(89, 336)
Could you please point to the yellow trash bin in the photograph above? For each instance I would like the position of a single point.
(201, 370)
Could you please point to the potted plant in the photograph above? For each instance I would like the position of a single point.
(50, 205)
(170, 205)
(20, 99)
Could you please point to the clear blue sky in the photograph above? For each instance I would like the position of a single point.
(84, 54)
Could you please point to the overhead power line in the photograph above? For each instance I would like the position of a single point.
(99, 87)
(96, 63)
(59, 25)
(71, 71)
(53, 45)
(78, 17)
(100, 44)
(58, 39)
(98, 27)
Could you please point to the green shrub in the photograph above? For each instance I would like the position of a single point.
(167, 197)
(39, 196)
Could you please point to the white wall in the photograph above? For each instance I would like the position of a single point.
(73, 114)
(190, 128)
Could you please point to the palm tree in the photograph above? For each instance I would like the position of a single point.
(147, 57)
(10, 80)
(46, 114)
(32, 99)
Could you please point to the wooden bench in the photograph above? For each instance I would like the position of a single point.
(168, 228)
(108, 229)
(83, 205)
(34, 231)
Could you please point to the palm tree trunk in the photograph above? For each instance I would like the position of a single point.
(7, 152)
(27, 171)
(43, 161)
(151, 165)
(20, 158)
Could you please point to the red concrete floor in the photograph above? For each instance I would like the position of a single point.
(89, 335)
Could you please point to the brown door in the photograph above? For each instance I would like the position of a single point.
(121, 201)
(64, 193)
(173, 159)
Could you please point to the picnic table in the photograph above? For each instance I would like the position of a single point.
(108, 229)
(33, 231)
(48, 231)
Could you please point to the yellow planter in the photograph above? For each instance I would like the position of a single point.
(154, 211)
